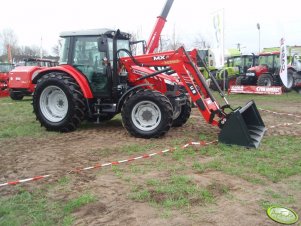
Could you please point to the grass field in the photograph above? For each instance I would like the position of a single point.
(193, 186)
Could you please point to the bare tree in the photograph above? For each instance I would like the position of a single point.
(56, 48)
(9, 41)
(201, 43)
(170, 42)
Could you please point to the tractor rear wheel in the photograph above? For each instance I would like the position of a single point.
(265, 80)
(290, 80)
(147, 114)
(183, 116)
(58, 102)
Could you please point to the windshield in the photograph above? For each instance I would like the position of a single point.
(235, 62)
(249, 61)
(121, 44)
(6, 67)
(266, 60)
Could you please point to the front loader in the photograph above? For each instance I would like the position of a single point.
(98, 77)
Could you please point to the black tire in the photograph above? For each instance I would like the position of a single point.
(15, 95)
(238, 80)
(68, 93)
(145, 104)
(184, 115)
(265, 80)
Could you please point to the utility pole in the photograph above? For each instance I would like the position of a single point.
(258, 27)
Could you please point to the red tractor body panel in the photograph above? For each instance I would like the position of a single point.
(21, 77)
(259, 70)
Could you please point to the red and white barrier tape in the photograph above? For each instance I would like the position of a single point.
(24, 180)
(202, 143)
(284, 124)
(280, 113)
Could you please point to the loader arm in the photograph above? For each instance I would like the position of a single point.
(243, 126)
(193, 81)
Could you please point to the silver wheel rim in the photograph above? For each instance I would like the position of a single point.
(146, 115)
(54, 104)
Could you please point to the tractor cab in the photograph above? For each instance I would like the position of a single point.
(243, 62)
(263, 74)
(270, 61)
(91, 52)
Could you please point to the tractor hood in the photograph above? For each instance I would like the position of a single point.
(258, 70)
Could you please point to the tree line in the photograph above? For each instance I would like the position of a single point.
(8, 38)
(10, 47)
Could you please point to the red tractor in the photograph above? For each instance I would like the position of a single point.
(266, 73)
(20, 79)
(98, 77)
(5, 68)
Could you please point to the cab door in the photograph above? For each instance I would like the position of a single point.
(93, 64)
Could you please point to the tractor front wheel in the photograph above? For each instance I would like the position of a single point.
(147, 114)
(239, 79)
(58, 102)
(265, 80)
(15, 95)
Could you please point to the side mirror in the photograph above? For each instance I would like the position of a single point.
(102, 44)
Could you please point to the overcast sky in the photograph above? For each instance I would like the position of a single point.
(33, 19)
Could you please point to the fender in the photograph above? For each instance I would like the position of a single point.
(79, 77)
(121, 100)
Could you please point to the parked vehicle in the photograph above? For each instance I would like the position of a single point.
(235, 66)
(266, 73)
(20, 78)
(5, 68)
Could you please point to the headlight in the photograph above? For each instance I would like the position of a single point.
(250, 74)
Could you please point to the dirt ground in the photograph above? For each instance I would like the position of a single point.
(57, 155)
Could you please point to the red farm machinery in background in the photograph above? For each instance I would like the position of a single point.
(20, 78)
(5, 68)
(266, 73)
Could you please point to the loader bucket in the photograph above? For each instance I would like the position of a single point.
(243, 127)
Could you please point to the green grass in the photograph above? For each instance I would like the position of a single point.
(17, 119)
(276, 159)
(176, 192)
(273, 198)
(34, 208)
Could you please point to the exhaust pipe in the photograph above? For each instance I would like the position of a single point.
(243, 126)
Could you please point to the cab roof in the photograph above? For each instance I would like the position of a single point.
(93, 32)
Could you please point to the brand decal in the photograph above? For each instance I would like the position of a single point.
(156, 58)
